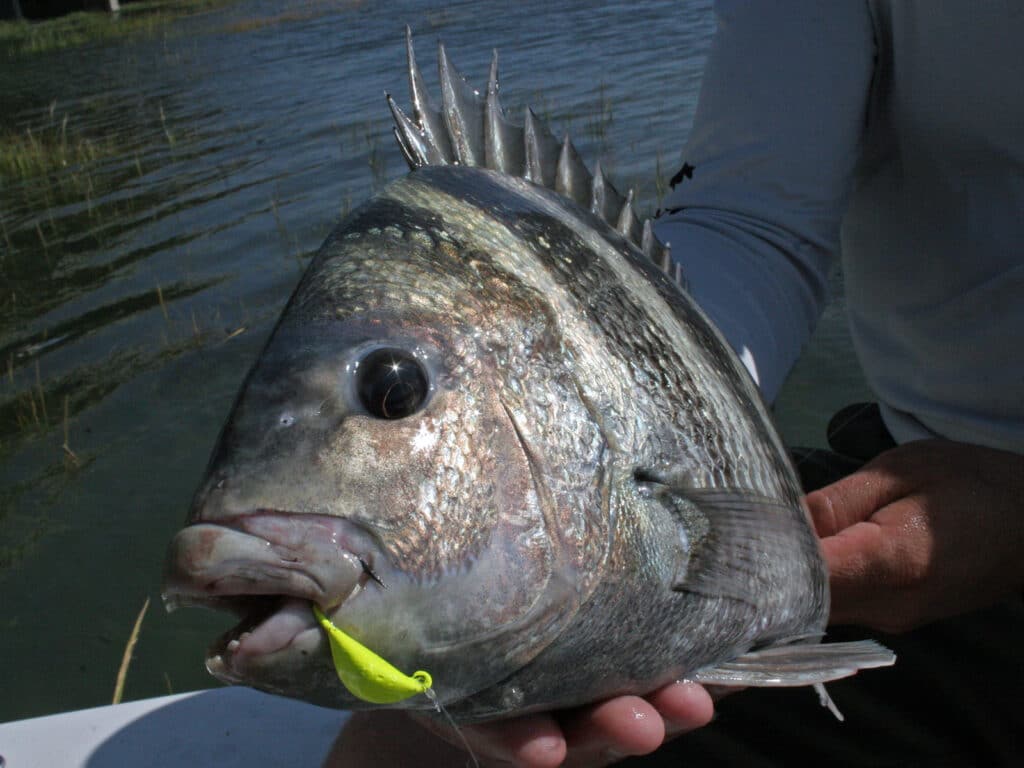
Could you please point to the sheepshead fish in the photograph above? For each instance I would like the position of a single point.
(491, 437)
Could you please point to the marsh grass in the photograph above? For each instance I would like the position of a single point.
(70, 457)
(35, 405)
(661, 180)
(601, 118)
(311, 9)
(378, 162)
(28, 38)
(126, 658)
(44, 168)
(252, 23)
(54, 162)
(49, 150)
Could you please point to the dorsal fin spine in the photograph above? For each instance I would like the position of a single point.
(573, 177)
(462, 111)
(410, 138)
(541, 151)
(428, 119)
(628, 224)
(503, 142)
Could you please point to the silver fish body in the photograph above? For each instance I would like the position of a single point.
(493, 440)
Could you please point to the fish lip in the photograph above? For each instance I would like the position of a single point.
(268, 567)
(268, 556)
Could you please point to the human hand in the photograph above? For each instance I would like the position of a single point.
(927, 530)
(594, 735)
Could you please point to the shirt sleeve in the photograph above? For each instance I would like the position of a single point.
(754, 218)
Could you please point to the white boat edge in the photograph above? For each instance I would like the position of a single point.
(223, 727)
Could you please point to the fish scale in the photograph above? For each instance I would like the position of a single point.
(625, 325)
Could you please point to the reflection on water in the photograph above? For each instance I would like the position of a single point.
(182, 182)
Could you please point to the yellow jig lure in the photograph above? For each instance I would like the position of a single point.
(366, 675)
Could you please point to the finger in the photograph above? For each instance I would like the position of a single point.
(853, 559)
(626, 725)
(684, 706)
(530, 741)
(854, 498)
(877, 568)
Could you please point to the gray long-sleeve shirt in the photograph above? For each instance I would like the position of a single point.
(891, 133)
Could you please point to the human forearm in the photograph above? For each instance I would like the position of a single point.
(771, 158)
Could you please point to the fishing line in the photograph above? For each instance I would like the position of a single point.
(430, 694)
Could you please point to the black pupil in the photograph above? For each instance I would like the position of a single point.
(391, 383)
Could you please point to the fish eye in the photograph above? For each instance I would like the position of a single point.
(391, 383)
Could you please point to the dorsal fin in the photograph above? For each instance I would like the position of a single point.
(471, 129)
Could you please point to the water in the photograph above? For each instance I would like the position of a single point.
(136, 290)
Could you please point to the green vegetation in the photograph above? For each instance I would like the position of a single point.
(55, 161)
(26, 38)
(251, 23)
(310, 9)
(49, 165)
(27, 154)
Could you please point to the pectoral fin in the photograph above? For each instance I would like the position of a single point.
(727, 535)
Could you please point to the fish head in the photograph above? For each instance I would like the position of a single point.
(374, 464)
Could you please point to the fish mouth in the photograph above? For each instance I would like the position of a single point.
(269, 624)
(268, 568)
